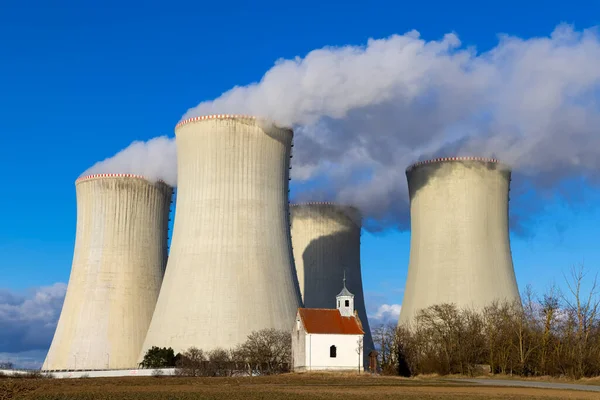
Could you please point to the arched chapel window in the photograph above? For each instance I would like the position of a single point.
(332, 352)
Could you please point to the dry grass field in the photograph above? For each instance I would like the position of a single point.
(288, 387)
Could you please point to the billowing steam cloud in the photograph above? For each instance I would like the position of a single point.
(155, 159)
(362, 114)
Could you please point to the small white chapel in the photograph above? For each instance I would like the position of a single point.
(328, 339)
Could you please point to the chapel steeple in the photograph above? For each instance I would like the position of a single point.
(345, 301)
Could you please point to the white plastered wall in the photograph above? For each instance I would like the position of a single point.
(298, 345)
(348, 357)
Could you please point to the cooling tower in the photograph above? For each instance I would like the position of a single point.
(459, 247)
(326, 241)
(118, 264)
(230, 269)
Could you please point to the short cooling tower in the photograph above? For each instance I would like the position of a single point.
(230, 269)
(118, 265)
(326, 241)
(459, 248)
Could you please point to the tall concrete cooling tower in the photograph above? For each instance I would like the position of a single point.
(326, 240)
(230, 269)
(459, 247)
(118, 265)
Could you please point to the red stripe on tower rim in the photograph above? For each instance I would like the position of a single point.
(132, 176)
(446, 159)
(214, 116)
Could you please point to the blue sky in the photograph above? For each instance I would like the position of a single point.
(78, 83)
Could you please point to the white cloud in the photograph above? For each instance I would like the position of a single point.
(32, 359)
(28, 320)
(386, 313)
(363, 113)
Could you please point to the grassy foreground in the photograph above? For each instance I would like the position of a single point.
(288, 387)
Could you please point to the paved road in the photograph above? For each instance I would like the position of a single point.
(531, 384)
(97, 374)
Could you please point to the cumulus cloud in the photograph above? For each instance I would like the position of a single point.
(155, 159)
(386, 313)
(28, 321)
(32, 359)
(363, 113)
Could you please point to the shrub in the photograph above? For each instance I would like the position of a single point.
(264, 352)
(33, 375)
(267, 351)
(157, 357)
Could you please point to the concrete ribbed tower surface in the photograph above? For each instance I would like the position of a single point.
(326, 241)
(118, 265)
(459, 249)
(230, 269)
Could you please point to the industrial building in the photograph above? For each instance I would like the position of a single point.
(326, 241)
(459, 248)
(230, 270)
(118, 264)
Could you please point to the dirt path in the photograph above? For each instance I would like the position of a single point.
(531, 384)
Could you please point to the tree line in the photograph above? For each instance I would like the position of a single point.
(268, 351)
(556, 334)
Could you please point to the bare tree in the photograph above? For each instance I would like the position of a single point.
(384, 338)
(191, 362)
(584, 309)
(267, 351)
(523, 325)
(554, 334)
(219, 363)
(404, 354)
(550, 309)
(359, 350)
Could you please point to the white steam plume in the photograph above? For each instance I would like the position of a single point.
(362, 114)
(155, 160)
